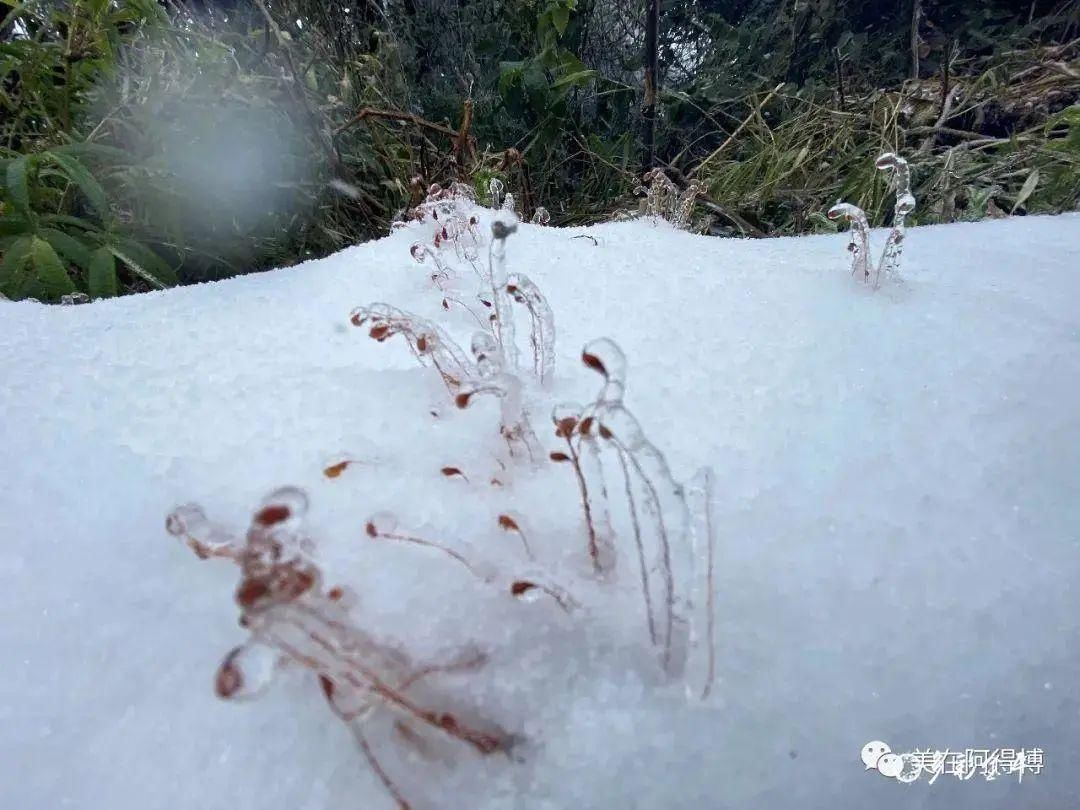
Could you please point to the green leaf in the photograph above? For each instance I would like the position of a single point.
(52, 276)
(143, 262)
(15, 259)
(560, 16)
(81, 177)
(1026, 190)
(582, 77)
(13, 225)
(18, 185)
(102, 279)
(67, 246)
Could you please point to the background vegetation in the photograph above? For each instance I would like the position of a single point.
(147, 143)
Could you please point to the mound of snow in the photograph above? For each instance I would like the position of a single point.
(895, 504)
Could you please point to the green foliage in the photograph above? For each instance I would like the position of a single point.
(52, 253)
(142, 146)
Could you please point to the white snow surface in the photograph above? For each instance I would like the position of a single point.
(897, 510)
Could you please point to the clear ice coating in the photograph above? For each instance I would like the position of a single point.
(701, 660)
(542, 334)
(485, 352)
(664, 200)
(513, 419)
(495, 189)
(656, 505)
(291, 618)
(905, 204)
(502, 226)
(422, 252)
(206, 539)
(428, 343)
(859, 245)
(540, 216)
(247, 671)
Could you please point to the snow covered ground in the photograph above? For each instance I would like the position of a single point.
(897, 510)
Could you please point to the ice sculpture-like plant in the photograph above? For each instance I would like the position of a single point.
(542, 336)
(501, 228)
(859, 244)
(659, 515)
(429, 344)
(664, 200)
(293, 619)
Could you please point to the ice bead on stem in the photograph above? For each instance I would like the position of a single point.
(421, 253)
(542, 336)
(503, 225)
(514, 421)
(247, 671)
(701, 661)
(428, 343)
(604, 356)
(905, 204)
(859, 244)
(485, 353)
(189, 523)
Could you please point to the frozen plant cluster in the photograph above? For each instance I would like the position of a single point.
(859, 245)
(635, 517)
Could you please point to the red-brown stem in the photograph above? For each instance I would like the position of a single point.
(665, 547)
(404, 538)
(484, 743)
(594, 547)
(384, 777)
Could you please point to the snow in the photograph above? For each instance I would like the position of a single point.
(895, 503)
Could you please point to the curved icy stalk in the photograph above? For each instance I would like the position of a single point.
(428, 343)
(905, 204)
(859, 245)
(501, 228)
(542, 337)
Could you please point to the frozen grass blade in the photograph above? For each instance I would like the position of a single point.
(859, 244)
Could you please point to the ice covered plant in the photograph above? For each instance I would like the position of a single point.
(540, 216)
(904, 205)
(294, 618)
(859, 243)
(542, 335)
(450, 212)
(429, 344)
(657, 508)
(503, 321)
(664, 199)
